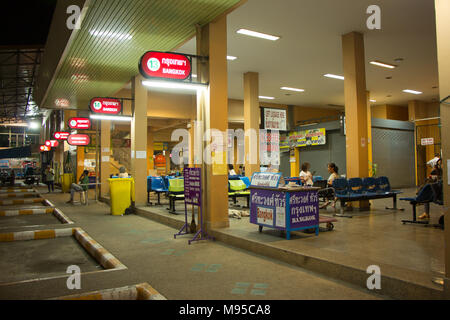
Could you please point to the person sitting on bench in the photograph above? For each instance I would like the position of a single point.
(305, 175)
(81, 187)
(334, 171)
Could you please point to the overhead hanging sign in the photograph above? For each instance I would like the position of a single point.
(80, 123)
(45, 149)
(275, 119)
(314, 137)
(109, 106)
(61, 135)
(52, 143)
(79, 140)
(155, 64)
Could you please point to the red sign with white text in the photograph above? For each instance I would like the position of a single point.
(61, 135)
(52, 143)
(106, 106)
(79, 140)
(80, 123)
(165, 65)
(44, 149)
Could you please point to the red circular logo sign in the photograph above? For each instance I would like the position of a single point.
(79, 140)
(165, 65)
(106, 106)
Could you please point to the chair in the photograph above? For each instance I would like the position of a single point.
(156, 185)
(237, 189)
(425, 196)
(176, 192)
(370, 186)
(247, 182)
(355, 187)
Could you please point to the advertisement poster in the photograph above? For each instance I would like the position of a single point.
(269, 148)
(313, 137)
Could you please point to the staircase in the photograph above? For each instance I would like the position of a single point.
(121, 157)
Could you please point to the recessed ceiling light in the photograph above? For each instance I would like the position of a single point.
(231, 58)
(292, 89)
(266, 98)
(328, 75)
(383, 64)
(258, 34)
(412, 91)
(399, 59)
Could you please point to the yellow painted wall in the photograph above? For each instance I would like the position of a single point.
(390, 112)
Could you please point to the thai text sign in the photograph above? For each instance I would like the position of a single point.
(61, 135)
(110, 106)
(165, 65)
(304, 209)
(314, 137)
(275, 119)
(80, 123)
(79, 140)
(193, 186)
(266, 179)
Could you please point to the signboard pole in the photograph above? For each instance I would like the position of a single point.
(97, 160)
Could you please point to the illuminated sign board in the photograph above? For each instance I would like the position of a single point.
(45, 149)
(175, 66)
(61, 135)
(52, 143)
(80, 123)
(106, 106)
(79, 140)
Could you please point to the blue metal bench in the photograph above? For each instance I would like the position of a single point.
(357, 189)
(430, 193)
(157, 185)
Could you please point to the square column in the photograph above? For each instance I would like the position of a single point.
(251, 123)
(443, 45)
(355, 105)
(213, 111)
(139, 129)
(150, 151)
(105, 167)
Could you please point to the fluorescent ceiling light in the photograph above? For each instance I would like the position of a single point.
(373, 101)
(412, 91)
(383, 64)
(21, 125)
(112, 118)
(328, 75)
(34, 125)
(257, 34)
(194, 76)
(231, 58)
(292, 89)
(173, 85)
(109, 34)
(266, 98)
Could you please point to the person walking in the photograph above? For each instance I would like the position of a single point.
(50, 179)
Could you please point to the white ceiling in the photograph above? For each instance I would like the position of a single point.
(310, 46)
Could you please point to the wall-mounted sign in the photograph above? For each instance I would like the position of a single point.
(61, 135)
(160, 161)
(154, 64)
(275, 119)
(314, 137)
(52, 143)
(427, 141)
(44, 149)
(79, 140)
(80, 123)
(110, 106)
(266, 179)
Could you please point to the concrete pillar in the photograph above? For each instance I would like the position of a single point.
(369, 134)
(191, 143)
(150, 150)
(139, 129)
(80, 162)
(105, 167)
(356, 108)
(213, 111)
(251, 122)
(443, 45)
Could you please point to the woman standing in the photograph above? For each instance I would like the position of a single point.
(50, 179)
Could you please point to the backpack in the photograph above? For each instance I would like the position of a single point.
(130, 210)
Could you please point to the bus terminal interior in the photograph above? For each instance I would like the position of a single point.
(346, 101)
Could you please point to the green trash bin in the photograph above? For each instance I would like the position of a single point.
(122, 193)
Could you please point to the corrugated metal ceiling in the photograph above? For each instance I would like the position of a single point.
(114, 34)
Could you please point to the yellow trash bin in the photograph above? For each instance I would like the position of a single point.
(66, 182)
(122, 193)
